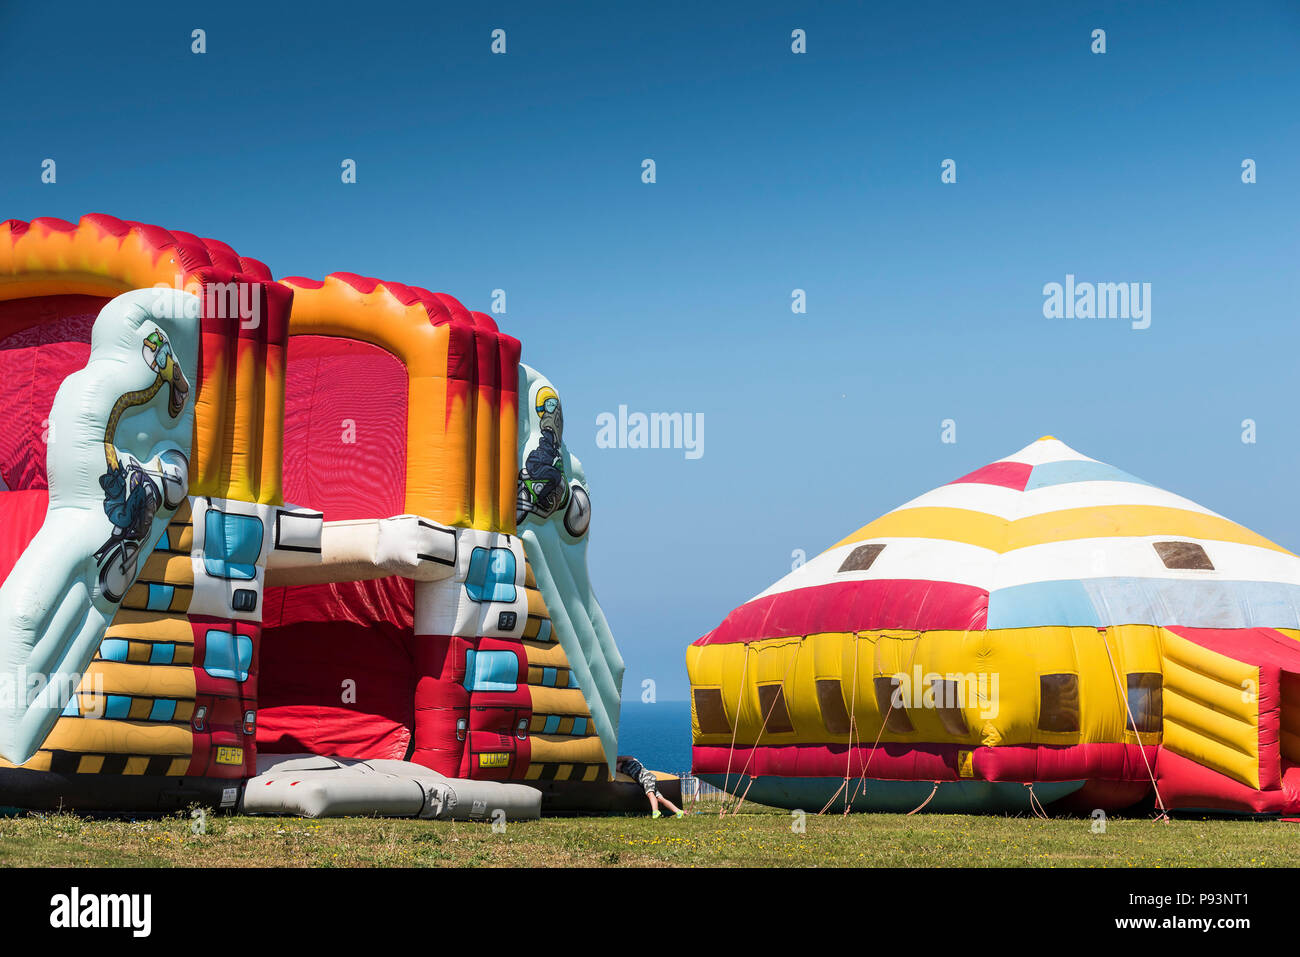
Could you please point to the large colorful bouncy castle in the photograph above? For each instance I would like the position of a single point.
(245, 517)
(1047, 631)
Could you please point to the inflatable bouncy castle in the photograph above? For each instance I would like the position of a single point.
(248, 519)
(1045, 632)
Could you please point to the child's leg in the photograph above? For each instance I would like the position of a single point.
(654, 800)
(669, 804)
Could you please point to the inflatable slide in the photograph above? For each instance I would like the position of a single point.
(248, 518)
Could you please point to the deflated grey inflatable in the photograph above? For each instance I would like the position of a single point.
(312, 786)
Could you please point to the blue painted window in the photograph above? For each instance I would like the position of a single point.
(491, 575)
(231, 545)
(163, 710)
(114, 649)
(491, 670)
(160, 597)
(549, 676)
(227, 656)
(117, 706)
(162, 653)
(73, 708)
(579, 725)
(552, 724)
(544, 630)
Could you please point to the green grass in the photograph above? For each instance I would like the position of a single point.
(754, 837)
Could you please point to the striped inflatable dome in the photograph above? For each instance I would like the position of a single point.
(1047, 630)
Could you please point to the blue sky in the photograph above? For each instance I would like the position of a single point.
(775, 171)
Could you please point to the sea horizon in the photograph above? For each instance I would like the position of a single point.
(658, 734)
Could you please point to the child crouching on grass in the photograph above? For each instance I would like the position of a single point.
(637, 771)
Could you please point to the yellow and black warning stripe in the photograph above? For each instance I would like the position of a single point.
(154, 765)
(567, 772)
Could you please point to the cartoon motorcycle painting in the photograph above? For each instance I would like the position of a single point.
(542, 485)
(133, 494)
(133, 490)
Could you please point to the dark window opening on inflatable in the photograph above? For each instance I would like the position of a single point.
(1058, 708)
(831, 701)
(1289, 715)
(947, 702)
(709, 712)
(896, 719)
(860, 559)
(1146, 701)
(1183, 555)
(771, 700)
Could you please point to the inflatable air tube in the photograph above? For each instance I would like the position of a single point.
(314, 786)
(119, 437)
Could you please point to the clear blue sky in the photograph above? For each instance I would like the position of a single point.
(775, 172)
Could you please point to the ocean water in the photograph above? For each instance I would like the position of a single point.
(658, 735)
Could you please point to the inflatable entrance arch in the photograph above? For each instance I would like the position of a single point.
(246, 519)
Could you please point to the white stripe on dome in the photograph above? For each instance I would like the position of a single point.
(1046, 450)
(1008, 503)
(1136, 557)
(927, 559)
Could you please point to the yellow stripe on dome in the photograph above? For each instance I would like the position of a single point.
(999, 535)
(949, 524)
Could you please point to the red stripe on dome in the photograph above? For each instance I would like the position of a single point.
(1004, 474)
(856, 606)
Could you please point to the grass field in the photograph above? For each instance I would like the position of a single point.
(754, 837)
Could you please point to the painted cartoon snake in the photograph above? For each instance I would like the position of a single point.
(158, 353)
